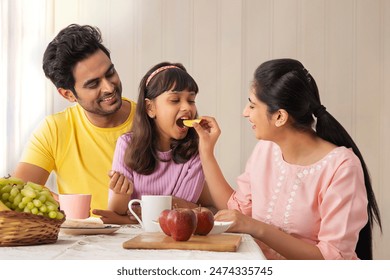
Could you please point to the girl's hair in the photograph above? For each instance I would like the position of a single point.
(141, 153)
(286, 84)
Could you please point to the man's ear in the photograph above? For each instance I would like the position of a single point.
(67, 94)
(150, 109)
(281, 117)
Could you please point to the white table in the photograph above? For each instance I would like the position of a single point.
(109, 247)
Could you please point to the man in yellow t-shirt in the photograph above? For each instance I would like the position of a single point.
(78, 143)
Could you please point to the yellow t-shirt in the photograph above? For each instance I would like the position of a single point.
(77, 151)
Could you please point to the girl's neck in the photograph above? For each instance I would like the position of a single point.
(164, 145)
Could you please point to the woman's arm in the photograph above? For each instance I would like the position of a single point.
(283, 243)
(220, 190)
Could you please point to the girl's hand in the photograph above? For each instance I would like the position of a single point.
(208, 131)
(241, 223)
(120, 184)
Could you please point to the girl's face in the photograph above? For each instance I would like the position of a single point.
(166, 110)
(256, 111)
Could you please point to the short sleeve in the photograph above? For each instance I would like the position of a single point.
(40, 149)
(343, 210)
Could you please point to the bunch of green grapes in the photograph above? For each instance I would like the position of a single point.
(29, 197)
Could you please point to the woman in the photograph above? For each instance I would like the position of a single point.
(306, 192)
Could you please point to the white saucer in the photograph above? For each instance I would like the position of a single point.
(104, 229)
(220, 227)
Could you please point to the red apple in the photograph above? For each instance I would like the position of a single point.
(205, 220)
(162, 220)
(181, 223)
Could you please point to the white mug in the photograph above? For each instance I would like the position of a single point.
(151, 207)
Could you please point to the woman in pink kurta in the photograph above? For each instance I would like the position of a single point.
(305, 192)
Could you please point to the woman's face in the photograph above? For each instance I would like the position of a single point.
(167, 109)
(257, 114)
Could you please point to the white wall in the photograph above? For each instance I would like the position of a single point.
(344, 44)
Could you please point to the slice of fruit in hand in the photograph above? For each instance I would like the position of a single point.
(190, 123)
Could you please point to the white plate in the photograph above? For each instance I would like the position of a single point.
(220, 227)
(104, 229)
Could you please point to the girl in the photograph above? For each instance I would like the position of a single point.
(160, 155)
(306, 192)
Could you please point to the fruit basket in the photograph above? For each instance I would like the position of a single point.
(20, 229)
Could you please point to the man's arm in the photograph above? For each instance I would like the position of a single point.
(30, 172)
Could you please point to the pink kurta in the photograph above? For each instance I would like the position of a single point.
(324, 203)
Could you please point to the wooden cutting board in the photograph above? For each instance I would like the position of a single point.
(158, 240)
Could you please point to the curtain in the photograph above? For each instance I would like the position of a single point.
(26, 94)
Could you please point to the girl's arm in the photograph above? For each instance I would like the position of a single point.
(119, 193)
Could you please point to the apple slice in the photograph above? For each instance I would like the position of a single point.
(190, 123)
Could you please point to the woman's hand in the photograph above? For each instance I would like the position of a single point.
(208, 131)
(120, 184)
(241, 222)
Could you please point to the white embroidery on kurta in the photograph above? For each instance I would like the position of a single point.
(296, 184)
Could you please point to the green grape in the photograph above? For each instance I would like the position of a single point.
(52, 214)
(5, 196)
(30, 205)
(26, 199)
(11, 198)
(37, 203)
(42, 198)
(22, 205)
(59, 215)
(6, 189)
(28, 193)
(18, 210)
(27, 210)
(51, 207)
(34, 210)
(18, 199)
(8, 204)
(40, 214)
(43, 208)
(34, 186)
(45, 193)
(14, 191)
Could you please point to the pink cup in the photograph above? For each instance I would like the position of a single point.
(75, 206)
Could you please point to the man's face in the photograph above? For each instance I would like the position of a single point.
(97, 85)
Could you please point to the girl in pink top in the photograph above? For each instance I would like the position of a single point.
(160, 155)
(305, 192)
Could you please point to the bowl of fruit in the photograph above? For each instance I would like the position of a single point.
(29, 214)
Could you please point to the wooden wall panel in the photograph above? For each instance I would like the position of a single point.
(256, 48)
(229, 85)
(337, 91)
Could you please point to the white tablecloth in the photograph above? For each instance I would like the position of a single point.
(109, 246)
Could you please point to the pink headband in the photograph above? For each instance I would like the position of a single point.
(155, 72)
